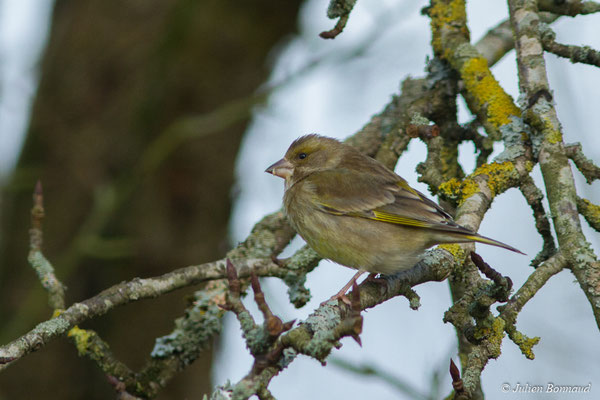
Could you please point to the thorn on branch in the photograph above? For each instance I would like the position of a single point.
(339, 28)
(338, 9)
(232, 277)
(457, 382)
(273, 324)
(261, 340)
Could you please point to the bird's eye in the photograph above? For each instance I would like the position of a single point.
(302, 156)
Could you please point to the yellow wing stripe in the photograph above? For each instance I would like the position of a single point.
(396, 219)
(405, 186)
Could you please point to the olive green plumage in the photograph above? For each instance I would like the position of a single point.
(355, 211)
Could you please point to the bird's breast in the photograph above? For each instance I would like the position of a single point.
(354, 242)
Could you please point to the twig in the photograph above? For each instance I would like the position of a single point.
(590, 211)
(457, 382)
(504, 283)
(532, 285)
(339, 27)
(338, 9)
(554, 164)
(590, 171)
(570, 8)
(576, 54)
(90, 345)
(371, 370)
(42, 267)
(533, 195)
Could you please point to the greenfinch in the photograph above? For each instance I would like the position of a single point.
(355, 211)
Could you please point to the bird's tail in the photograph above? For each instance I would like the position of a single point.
(486, 240)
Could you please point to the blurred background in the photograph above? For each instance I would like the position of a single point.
(150, 124)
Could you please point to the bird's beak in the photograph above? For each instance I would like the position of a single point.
(282, 168)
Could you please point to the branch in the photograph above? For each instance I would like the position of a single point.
(371, 370)
(482, 92)
(534, 196)
(90, 345)
(534, 283)
(124, 293)
(338, 9)
(570, 8)
(590, 211)
(590, 171)
(42, 267)
(320, 332)
(554, 164)
(577, 54)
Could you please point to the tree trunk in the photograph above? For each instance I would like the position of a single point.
(115, 76)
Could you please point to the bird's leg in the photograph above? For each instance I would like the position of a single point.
(377, 279)
(341, 295)
(372, 277)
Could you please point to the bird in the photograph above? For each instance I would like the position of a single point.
(353, 210)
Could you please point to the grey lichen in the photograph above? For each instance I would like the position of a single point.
(223, 392)
(323, 324)
(513, 136)
(193, 332)
(288, 356)
(339, 8)
(298, 294)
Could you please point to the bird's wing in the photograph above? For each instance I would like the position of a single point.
(386, 198)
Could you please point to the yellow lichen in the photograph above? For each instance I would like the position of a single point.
(82, 339)
(450, 188)
(496, 336)
(525, 344)
(445, 14)
(457, 252)
(499, 177)
(590, 211)
(486, 90)
(459, 190)
(554, 136)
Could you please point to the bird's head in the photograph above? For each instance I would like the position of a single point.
(306, 155)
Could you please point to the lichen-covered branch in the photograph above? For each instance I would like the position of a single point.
(590, 211)
(124, 293)
(534, 196)
(482, 92)
(534, 283)
(43, 267)
(319, 334)
(426, 108)
(576, 54)
(570, 8)
(338, 9)
(590, 171)
(89, 344)
(556, 171)
(499, 40)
